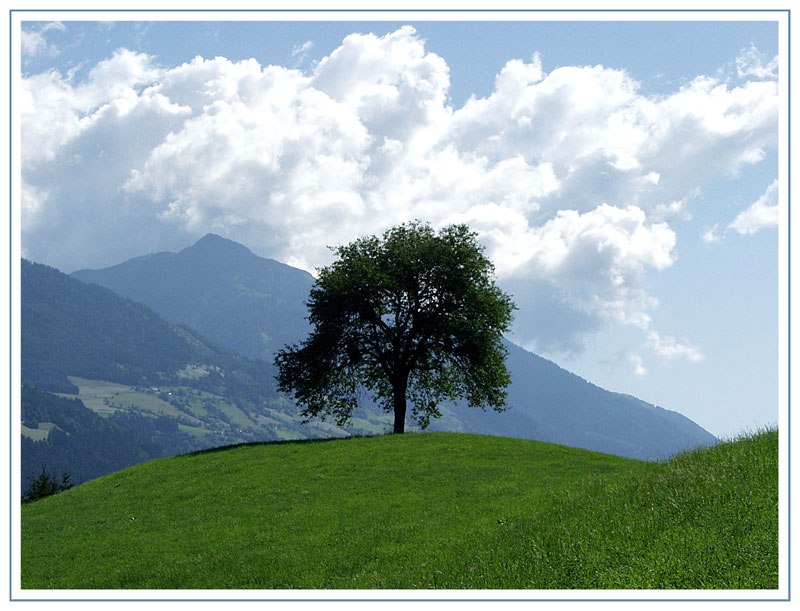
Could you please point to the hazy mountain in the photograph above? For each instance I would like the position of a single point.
(549, 403)
(255, 305)
(133, 386)
(73, 329)
(218, 287)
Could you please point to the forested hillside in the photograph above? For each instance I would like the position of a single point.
(68, 327)
(73, 329)
(76, 440)
(142, 387)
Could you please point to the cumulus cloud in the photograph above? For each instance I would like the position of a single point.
(597, 259)
(571, 178)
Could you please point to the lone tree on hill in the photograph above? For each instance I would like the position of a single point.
(409, 316)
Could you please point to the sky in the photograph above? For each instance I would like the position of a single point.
(621, 175)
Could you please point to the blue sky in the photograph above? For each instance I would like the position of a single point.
(622, 175)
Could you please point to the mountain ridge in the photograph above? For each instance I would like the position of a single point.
(108, 383)
(549, 402)
(206, 286)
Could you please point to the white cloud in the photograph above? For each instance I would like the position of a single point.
(761, 214)
(299, 52)
(34, 41)
(597, 259)
(670, 348)
(711, 235)
(753, 63)
(571, 178)
(638, 367)
(56, 111)
(33, 200)
(393, 85)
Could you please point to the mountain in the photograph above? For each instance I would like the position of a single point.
(551, 404)
(108, 383)
(233, 297)
(255, 305)
(73, 329)
(68, 327)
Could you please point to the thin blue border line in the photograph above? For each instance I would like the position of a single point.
(425, 10)
(789, 289)
(410, 600)
(789, 359)
(10, 316)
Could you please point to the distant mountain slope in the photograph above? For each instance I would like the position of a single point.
(233, 297)
(548, 403)
(551, 404)
(255, 305)
(70, 328)
(155, 388)
(578, 413)
(87, 445)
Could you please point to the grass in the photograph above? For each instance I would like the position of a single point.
(193, 430)
(105, 398)
(37, 434)
(96, 394)
(439, 510)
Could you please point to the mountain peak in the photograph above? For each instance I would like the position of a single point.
(214, 244)
(212, 239)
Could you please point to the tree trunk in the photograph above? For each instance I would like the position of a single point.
(399, 398)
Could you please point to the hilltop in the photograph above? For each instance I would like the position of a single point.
(415, 511)
(250, 304)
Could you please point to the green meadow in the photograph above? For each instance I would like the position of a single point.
(415, 511)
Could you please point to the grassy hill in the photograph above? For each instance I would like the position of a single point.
(439, 510)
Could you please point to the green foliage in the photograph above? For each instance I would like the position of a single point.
(46, 485)
(419, 511)
(412, 315)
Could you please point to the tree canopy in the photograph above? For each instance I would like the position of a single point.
(412, 316)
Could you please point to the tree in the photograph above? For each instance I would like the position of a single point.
(46, 485)
(412, 316)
